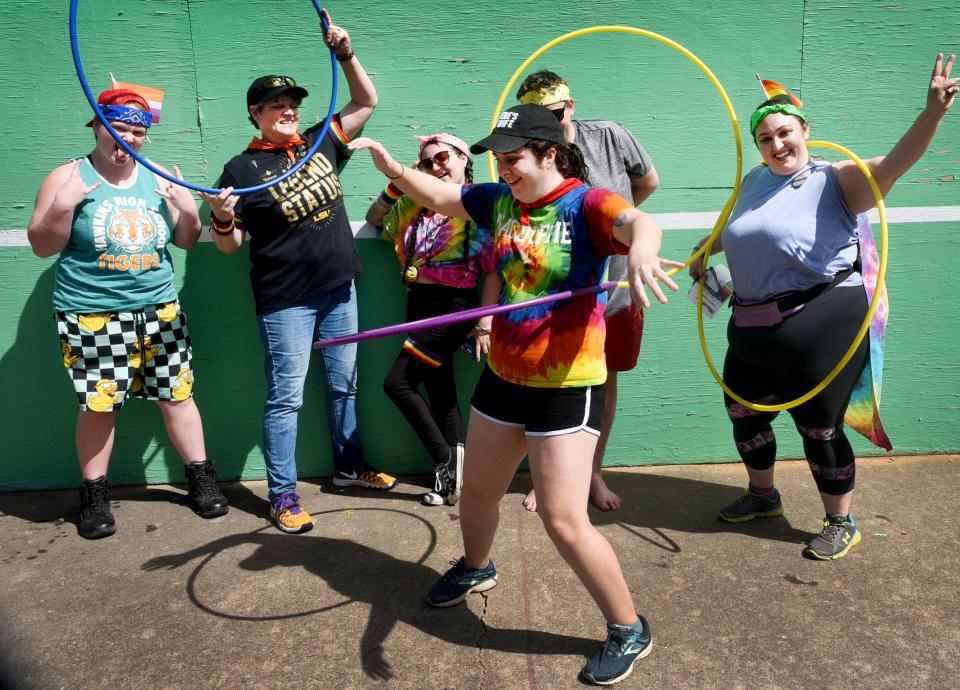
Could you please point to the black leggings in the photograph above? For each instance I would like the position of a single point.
(438, 424)
(774, 364)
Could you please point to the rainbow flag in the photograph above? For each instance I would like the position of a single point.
(153, 96)
(772, 89)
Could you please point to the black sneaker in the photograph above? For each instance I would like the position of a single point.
(448, 480)
(204, 494)
(752, 505)
(96, 518)
(614, 660)
(438, 496)
(455, 584)
(839, 536)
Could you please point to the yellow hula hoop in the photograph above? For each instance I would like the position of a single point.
(864, 327)
(721, 221)
(704, 251)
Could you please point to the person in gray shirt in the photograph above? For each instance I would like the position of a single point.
(615, 161)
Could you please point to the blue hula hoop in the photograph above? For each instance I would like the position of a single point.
(81, 75)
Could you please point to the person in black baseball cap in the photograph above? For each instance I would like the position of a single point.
(271, 86)
(304, 262)
(542, 231)
(518, 125)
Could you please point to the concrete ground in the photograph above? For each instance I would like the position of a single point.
(174, 601)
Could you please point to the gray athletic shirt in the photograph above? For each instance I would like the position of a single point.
(789, 233)
(613, 157)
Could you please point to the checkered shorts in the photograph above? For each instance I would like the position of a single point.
(144, 353)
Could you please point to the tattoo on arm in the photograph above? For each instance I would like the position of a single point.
(620, 219)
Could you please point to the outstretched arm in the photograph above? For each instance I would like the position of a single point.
(363, 96)
(424, 189)
(941, 94)
(641, 233)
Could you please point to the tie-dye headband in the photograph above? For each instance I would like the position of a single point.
(548, 95)
(127, 115)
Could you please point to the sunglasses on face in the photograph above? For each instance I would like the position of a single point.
(277, 82)
(558, 113)
(438, 159)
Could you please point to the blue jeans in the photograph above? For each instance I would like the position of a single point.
(288, 336)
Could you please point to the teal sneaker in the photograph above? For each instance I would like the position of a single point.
(614, 660)
(839, 536)
(455, 584)
(752, 505)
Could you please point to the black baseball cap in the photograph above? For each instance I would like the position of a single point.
(272, 85)
(518, 125)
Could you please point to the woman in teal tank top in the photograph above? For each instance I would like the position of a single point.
(119, 321)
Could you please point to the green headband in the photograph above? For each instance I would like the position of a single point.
(764, 110)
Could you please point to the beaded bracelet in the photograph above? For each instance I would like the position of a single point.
(344, 58)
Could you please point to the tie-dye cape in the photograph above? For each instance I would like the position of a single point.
(863, 413)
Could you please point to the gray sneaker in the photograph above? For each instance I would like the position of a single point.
(750, 506)
(839, 536)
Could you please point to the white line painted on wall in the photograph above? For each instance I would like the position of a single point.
(668, 221)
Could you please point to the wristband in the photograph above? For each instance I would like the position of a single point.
(221, 228)
(480, 330)
(344, 58)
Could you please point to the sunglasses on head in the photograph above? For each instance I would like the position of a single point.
(277, 82)
(438, 159)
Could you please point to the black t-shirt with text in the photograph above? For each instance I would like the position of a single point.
(301, 244)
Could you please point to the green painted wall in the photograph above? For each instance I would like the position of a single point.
(860, 65)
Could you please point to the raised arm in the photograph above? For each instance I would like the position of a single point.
(363, 96)
(941, 94)
(49, 229)
(424, 189)
(183, 211)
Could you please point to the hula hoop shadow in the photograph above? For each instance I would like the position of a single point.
(81, 75)
(265, 540)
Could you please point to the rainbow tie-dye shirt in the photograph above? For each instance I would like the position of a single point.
(560, 242)
(438, 244)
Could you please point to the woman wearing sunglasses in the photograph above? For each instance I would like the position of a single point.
(440, 268)
(541, 393)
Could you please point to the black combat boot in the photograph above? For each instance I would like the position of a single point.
(205, 495)
(96, 519)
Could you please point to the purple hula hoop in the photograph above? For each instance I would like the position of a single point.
(457, 317)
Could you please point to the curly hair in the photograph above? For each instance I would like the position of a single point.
(539, 80)
(570, 161)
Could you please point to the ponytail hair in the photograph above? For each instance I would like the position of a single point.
(570, 161)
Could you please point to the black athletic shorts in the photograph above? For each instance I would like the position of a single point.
(538, 411)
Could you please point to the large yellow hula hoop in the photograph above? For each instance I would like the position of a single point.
(728, 207)
(864, 327)
(704, 251)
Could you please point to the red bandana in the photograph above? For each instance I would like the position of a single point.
(558, 191)
(258, 144)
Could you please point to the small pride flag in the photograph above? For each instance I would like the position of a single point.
(772, 89)
(153, 96)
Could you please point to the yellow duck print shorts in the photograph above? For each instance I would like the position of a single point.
(144, 353)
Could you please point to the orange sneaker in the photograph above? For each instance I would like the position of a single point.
(365, 478)
(287, 513)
